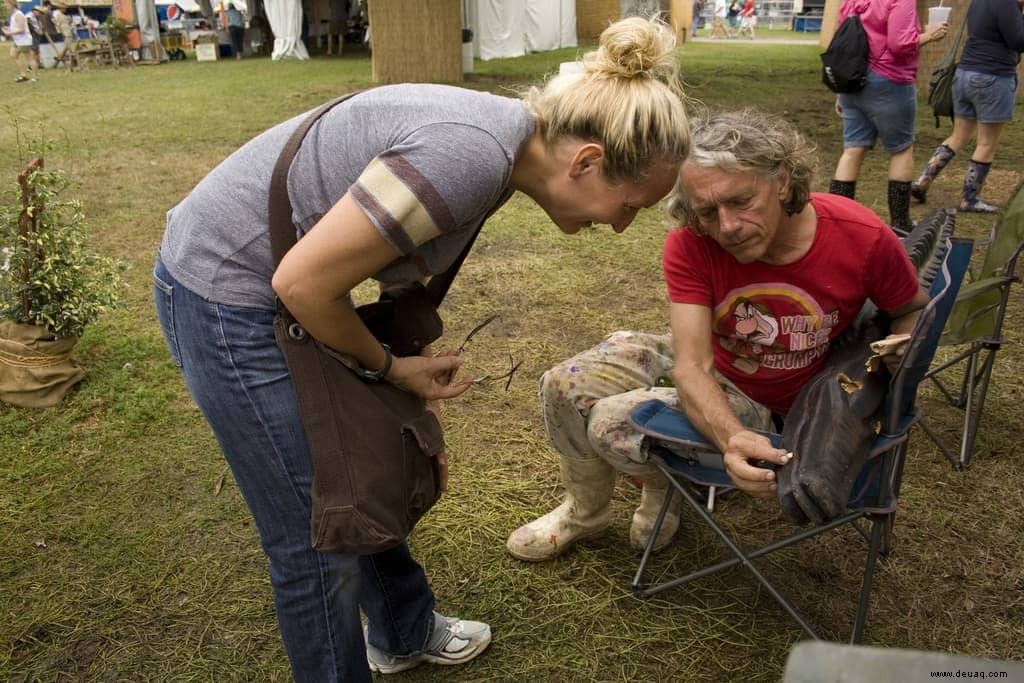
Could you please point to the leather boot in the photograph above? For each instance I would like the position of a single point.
(652, 497)
(942, 156)
(585, 512)
(977, 171)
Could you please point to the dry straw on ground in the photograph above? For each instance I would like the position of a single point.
(126, 552)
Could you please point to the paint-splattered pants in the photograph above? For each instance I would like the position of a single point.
(587, 399)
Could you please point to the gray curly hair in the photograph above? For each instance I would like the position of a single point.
(748, 140)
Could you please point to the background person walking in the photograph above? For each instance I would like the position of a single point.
(887, 106)
(984, 96)
(21, 38)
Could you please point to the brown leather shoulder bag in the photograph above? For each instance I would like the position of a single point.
(373, 446)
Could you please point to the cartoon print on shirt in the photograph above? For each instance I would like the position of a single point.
(756, 330)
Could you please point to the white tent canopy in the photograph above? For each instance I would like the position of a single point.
(511, 28)
(149, 31)
(285, 17)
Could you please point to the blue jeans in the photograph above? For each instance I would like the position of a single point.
(238, 377)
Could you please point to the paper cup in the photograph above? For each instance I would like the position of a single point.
(938, 15)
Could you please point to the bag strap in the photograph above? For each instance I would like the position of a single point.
(951, 51)
(282, 230)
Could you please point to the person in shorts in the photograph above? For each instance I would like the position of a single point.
(887, 106)
(984, 94)
(21, 42)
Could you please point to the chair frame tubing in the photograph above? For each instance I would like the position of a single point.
(878, 538)
(970, 398)
(974, 387)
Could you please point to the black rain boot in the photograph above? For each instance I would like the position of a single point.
(942, 156)
(973, 182)
(843, 188)
(899, 205)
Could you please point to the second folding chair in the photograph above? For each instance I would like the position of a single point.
(976, 328)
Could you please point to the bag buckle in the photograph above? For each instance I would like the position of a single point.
(297, 332)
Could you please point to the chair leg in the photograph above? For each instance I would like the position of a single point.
(975, 406)
(877, 531)
(637, 586)
(936, 438)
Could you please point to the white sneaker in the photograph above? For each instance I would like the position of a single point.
(461, 641)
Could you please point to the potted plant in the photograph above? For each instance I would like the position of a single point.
(52, 286)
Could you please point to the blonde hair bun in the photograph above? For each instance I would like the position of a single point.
(636, 47)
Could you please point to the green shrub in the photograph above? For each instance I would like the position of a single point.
(51, 268)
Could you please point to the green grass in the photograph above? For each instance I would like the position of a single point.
(126, 552)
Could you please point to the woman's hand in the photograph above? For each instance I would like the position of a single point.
(934, 32)
(429, 378)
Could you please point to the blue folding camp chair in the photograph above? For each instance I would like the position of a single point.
(976, 327)
(690, 462)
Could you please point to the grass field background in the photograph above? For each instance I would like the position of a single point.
(126, 552)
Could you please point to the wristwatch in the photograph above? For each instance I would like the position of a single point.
(379, 374)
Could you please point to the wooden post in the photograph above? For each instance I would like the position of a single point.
(829, 21)
(416, 40)
(594, 16)
(681, 18)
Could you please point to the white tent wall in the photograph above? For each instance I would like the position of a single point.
(567, 30)
(511, 28)
(149, 31)
(285, 17)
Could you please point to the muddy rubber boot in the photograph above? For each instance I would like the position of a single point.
(652, 497)
(942, 156)
(843, 188)
(584, 513)
(970, 202)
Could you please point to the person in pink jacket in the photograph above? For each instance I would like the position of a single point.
(887, 106)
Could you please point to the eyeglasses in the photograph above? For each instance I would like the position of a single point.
(491, 378)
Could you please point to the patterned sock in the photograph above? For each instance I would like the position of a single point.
(843, 188)
(899, 204)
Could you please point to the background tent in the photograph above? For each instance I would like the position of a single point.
(285, 17)
(149, 31)
(511, 28)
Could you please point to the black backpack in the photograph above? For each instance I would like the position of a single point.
(844, 65)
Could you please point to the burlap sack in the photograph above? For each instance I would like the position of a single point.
(36, 370)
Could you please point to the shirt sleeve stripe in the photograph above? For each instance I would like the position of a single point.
(422, 188)
(390, 229)
(395, 198)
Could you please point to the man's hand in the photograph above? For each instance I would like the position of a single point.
(742, 452)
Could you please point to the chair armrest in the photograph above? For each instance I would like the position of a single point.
(662, 422)
(979, 287)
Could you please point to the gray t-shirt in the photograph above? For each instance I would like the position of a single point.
(426, 163)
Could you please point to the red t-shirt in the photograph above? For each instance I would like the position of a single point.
(772, 325)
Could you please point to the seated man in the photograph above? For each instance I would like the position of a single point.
(762, 278)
